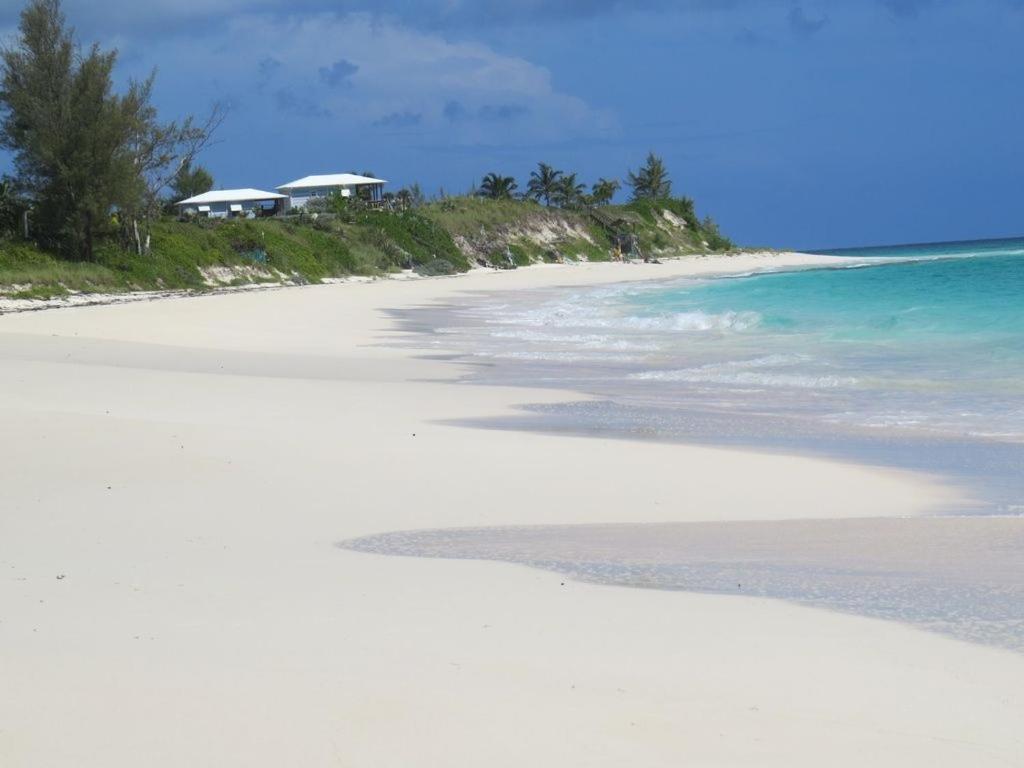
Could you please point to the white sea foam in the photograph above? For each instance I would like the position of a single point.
(696, 321)
(553, 356)
(777, 360)
(579, 315)
(716, 375)
(586, 341)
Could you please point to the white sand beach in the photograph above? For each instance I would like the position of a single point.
(177, 475)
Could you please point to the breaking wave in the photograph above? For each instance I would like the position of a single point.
(577, 315)
(746, 378)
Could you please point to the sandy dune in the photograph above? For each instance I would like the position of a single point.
(176, 475)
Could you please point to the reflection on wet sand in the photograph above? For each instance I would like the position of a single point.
(960, 576)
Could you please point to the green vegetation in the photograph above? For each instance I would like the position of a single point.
(29, 273)
(88, 209)
(498, 187)
(604, 191)
(187, 255)
(441, 237)
(189, 182)
(651, 182)
(179, 255)
(652, 210)
(466, 216)
(570, 192)
(408, 239)
(544, 183)
(81, 150)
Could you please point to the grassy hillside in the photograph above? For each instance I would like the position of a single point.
(500, 231)
(442, 237)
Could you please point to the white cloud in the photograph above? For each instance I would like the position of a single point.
(393, 69)
(136, 14)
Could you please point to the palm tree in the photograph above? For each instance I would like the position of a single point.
(604, 190)
(569, 192)
(543, 183)
(651, 182)
(497, 187)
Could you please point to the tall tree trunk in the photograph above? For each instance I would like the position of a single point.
(88, 236)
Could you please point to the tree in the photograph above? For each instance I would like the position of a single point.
(81, 150)
(713, 236)
(411, 196)
(416, 196)
(159, 152)
(568, 191)
(543, 183)
(497, 187)
(604, 190)
(67, 130)
(189, 181)
(12, 207)
(651, 182)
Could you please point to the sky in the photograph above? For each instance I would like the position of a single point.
(794, 123)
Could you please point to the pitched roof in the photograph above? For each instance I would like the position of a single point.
(230, 196)
(332, 180)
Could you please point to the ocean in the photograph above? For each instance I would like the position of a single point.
(910, 356)
(905, 356)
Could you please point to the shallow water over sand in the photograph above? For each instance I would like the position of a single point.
(917, 366)
(959, 576)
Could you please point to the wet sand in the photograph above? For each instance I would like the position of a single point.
(960, 576)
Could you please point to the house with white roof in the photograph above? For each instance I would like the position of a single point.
(227, 203)
(301, 191)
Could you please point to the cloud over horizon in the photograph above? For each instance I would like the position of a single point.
(167, 17)
(331, 68)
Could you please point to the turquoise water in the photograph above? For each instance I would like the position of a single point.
(975, 302)
(937, 342)
(907, 356)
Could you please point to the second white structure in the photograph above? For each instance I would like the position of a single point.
(301, 191)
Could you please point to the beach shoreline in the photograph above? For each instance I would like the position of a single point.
(781, 259)
(179, 474)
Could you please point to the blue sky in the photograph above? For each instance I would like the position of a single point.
(795, 124)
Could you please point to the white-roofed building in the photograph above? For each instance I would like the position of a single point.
(301, 191)
(225, 203)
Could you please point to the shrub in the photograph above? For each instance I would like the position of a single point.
(435, 267)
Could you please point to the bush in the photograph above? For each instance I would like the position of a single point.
(651, 210)
(435, 268)
(317, 205)
(520, 255)
(413, 236)
(718, 242)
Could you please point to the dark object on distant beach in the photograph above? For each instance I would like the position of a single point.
(435, 267)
